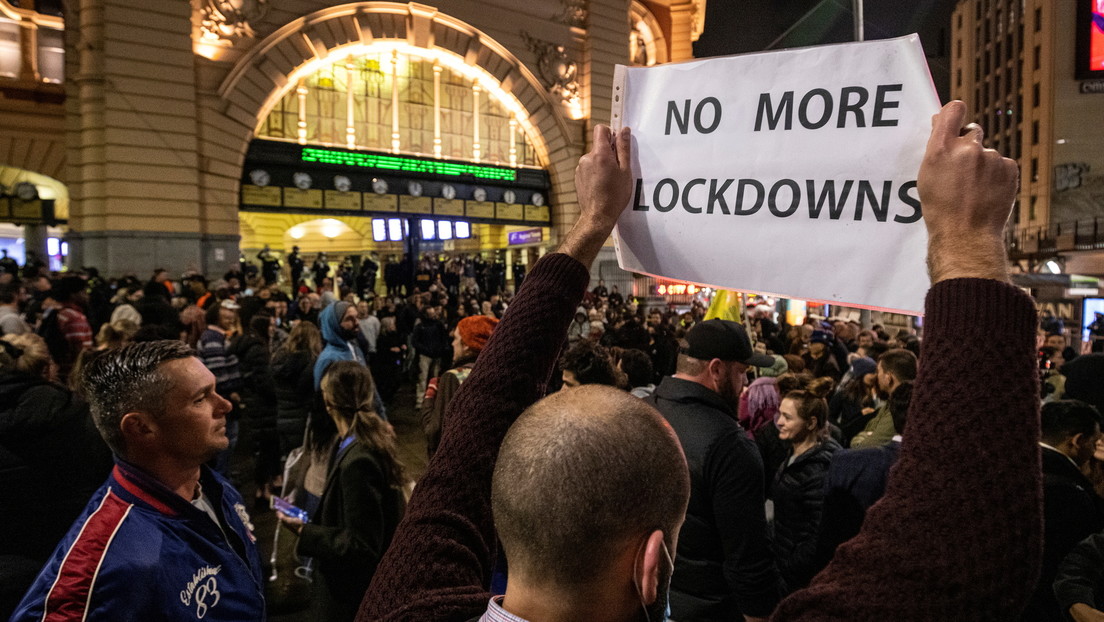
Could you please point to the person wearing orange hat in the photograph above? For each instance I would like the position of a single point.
(468, 341)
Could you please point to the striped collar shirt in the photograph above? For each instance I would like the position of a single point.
(495, 612)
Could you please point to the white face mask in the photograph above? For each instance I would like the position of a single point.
(665, 601)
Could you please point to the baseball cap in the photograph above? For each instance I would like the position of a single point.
(229, 304)
(821, 336)
(725, 340)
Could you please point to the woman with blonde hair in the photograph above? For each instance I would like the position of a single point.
(116, 334)
(363, 500)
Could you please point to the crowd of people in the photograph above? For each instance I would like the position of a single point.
(633, 462)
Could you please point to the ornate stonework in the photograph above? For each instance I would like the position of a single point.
(698, 25)
(227, 20)
(558, 73)
(573, 13)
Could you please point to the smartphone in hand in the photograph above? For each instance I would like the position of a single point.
(287, 509)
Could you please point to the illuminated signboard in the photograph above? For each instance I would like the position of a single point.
(405, 165)
(1090, 39)
(677, 289)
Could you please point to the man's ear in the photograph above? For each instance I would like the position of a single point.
(716, 368)
(649, 568)
(137, 427)
(1075, 440)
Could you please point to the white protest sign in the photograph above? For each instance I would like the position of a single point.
(790, 173)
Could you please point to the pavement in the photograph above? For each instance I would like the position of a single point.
(286, 593)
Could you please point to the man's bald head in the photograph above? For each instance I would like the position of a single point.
(581, 474)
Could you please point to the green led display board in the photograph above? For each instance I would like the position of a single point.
(406, 165)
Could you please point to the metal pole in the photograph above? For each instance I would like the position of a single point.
(857, 11)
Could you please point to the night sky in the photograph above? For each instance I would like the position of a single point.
(738, 26)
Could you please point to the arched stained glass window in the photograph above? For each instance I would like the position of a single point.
(393, 100)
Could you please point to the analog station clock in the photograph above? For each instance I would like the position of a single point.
(302, 181)
(259, 177)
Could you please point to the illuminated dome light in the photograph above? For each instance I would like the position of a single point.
(453, 61)
(332, 228)
(296, 233)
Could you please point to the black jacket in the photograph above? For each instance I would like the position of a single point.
(723, 564)
(798, 494)
(259, 386)
(1080, 577)
(856, 479)
(293, 373)
(51, 461)
(1071, 513)
(431, 338)
(350, 532)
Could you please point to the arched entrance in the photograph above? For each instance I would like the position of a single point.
(372, 112)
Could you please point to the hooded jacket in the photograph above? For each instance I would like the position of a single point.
(338, 348)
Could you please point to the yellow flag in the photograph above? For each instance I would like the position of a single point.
(725, 306)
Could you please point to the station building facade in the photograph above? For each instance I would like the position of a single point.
(186, 134)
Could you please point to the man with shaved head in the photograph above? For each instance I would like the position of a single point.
(629, 527)
(589, 489)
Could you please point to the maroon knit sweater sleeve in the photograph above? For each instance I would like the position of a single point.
(439, 563)
(957, 535)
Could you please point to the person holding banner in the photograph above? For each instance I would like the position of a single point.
(956, 537)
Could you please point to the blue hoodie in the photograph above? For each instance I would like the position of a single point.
(338, 348)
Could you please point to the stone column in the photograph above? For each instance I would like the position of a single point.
(34, 239)
(133, 161)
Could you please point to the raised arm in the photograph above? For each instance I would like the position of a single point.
(957, 535)
(440, 560)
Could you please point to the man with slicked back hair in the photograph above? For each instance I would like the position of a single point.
(165, 538)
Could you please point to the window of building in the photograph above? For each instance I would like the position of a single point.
(960, 20)
(1031, 212)
(958, 48)
(958, 78)
(1038, 57)
(1034, 170)
(1035, 95)
(1038, 19)
(1034, 132)
(442, 111)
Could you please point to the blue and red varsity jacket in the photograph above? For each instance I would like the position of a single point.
(141, 552)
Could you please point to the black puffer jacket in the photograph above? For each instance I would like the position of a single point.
(293, 373)
(798, 494)
(259, 386)
(51, 461)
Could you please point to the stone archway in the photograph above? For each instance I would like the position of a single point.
(230, 116)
